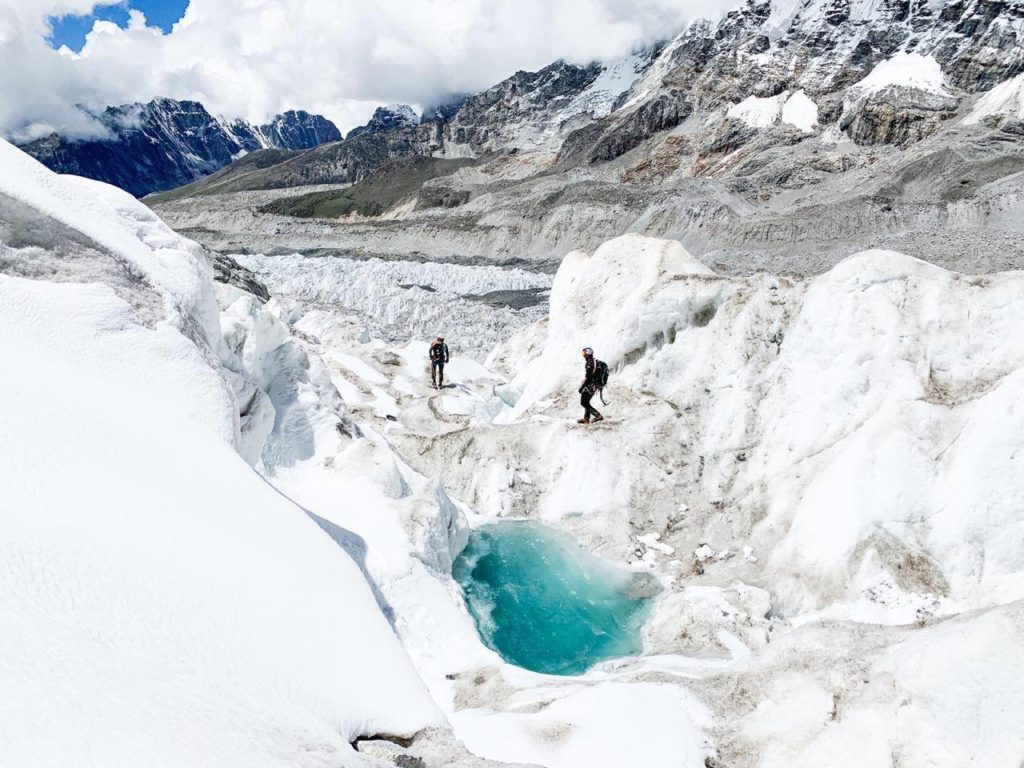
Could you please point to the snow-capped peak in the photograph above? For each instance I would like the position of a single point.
(402, 110)
(600, 96)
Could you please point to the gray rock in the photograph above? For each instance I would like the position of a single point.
(386, 119)
(896, 115)
(620, 134)
(227, 270)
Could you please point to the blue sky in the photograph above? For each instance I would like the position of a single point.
(71, 30)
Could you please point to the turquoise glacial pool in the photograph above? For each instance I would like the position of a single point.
(544, 603)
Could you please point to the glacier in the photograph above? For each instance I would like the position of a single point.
(232, 527)
(743, 476)
(399, 300)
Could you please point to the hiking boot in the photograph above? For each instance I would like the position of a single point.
(598, 418)
(583, 421)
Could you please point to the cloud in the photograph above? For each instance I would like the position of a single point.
(255, 58)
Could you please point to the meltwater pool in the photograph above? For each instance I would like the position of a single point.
(544, 603)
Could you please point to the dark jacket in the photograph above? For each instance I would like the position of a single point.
(438, 352)
(589, 372)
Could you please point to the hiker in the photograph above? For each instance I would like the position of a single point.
(438, 357)
(595, 376)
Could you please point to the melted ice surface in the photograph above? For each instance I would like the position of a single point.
(543, 603)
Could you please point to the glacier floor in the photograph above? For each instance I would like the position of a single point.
(544, 603)
(498, 710)
(752, 656)
(842, 568)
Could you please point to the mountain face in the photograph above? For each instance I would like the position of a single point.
(298, 129)
(386, 119)
(785, 136)
(523, 104)
(527, 111)
(730, 81)
(823, 48)
(168, 143)
(806, 65)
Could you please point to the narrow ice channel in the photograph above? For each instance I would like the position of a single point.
(543, 603)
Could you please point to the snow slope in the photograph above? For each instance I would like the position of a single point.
(1006, 98)
(160, 604)
(598, 98)
(112, 219)
(759, 112)
(907, 70)
(800, 111)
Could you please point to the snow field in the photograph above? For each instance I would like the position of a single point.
(877, 473)
(653, 724)
(907, 70)
(406, 530)
(1006, 98)
(860, 373)
(804, 464)
(856, 435)
(155, 619)
(161, 603)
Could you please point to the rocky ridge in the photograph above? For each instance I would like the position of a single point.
(886, 133)
(785, 136)
(386, 119)
(168, 143)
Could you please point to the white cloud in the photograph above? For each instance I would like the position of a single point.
(254, 58)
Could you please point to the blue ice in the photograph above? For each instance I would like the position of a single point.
(544, 603)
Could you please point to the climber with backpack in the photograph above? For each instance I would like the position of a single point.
(594, 380)
(438, 357)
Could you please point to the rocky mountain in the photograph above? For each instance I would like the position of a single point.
(882, 73)
(298, 129)
(788, 134)
(523, 111)
(339, 162)
(168, 143)
(761, 51)
(386, 119)
(528, 111)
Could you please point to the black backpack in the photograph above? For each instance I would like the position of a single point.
(601, 374)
